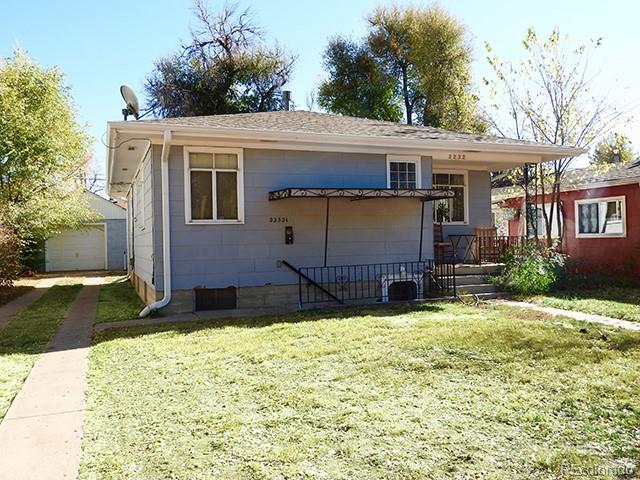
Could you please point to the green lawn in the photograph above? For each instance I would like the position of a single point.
(441, 391)
(118, 301)
(616, 302)
(26, 335)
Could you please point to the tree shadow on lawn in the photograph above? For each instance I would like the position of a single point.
(261, 321)
(486, 333)
(32, 329)
(8, 294)
(630, 296)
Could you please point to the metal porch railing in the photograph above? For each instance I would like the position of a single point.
(375, 281)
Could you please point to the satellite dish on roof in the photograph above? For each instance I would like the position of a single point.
(130, 99)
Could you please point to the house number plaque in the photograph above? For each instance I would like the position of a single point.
(456, 156)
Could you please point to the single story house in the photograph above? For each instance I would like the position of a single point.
(100, 245)
(601, 227)
(290, 208)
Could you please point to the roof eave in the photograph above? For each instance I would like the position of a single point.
(546, 152)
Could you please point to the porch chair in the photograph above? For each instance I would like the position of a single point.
(442, 250)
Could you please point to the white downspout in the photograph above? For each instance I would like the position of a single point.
(166, 225)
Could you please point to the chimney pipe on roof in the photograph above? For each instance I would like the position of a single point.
(286, 99)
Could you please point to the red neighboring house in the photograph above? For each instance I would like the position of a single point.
(601, 219)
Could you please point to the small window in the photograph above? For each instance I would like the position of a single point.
(402, 291)
(604, 217)
(403, 172)
(403, 175)
(541, 226)
(215, 298)
(213, 190)
(451, 210)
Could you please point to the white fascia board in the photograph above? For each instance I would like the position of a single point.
(547, 152)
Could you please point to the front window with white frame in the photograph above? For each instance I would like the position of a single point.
(453, 209)
(403, 172)
(601, 217)
(213, 185)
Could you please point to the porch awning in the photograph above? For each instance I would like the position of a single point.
(424, 194)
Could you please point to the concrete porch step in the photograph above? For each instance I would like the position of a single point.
(477, 288)
(491, 269)
(471, 279)
(483, 296)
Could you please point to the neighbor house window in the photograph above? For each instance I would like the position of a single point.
(403, 172)
(213, 185)
(601, 217)
(541, 226)
(454, 209)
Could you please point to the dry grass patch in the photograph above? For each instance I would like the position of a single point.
(441, 391)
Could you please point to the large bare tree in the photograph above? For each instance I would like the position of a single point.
(548, 97)
(225, 68)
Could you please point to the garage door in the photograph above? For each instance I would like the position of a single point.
(76, 250)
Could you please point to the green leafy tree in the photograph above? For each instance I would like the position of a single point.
(422, 56)
(358, 85)
(224, 69)
(613, 150)
(426, 50)
(43, 153)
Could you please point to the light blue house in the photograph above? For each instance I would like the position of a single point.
(289, 208)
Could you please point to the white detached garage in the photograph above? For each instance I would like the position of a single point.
(97, 246)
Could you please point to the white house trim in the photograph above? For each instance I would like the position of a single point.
(416, 160)
(187, 184)
(166, 229)
(554, 151)
(583, 201)
(466, 192)
(106, 245)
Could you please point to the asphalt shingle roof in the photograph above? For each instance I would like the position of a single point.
(299, 121)
(580, 177)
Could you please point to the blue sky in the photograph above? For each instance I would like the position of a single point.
(101, 45)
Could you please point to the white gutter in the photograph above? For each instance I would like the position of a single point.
(552, 151)
(166, 225)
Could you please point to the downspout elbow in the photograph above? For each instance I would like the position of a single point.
(146, 311)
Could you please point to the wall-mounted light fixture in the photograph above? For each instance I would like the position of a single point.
(288, 235)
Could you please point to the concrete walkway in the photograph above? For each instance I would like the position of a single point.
(585, 317)
(10, 309)
(41, 435)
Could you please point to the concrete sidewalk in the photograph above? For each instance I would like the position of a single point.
(585, 317)
(10, 309)
(41, 435)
